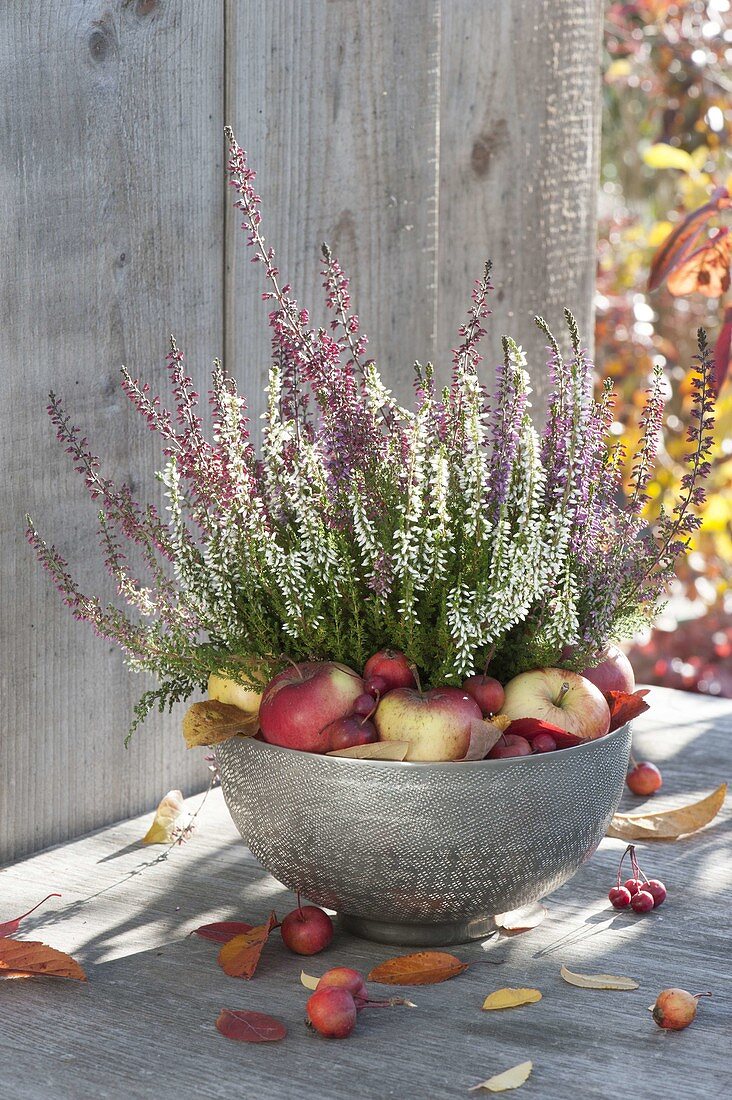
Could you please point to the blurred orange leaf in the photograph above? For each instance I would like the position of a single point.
(422, 968)
(679, 243)
(29, 957)
(705, 271)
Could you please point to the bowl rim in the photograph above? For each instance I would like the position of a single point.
(534, 760)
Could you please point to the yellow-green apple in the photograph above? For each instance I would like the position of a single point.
(300, 702)
(487, 692)
(229, 691)
(563, 698)
(391, 666)
(436, 723)
(612, 671)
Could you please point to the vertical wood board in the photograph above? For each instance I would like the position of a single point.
(112, 212)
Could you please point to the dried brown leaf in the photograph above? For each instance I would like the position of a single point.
(510, 998)
(597, 981)
(166, 817)
(211, 722)
(669, 824)
(484, 734)
(250, 1027)
(510, 1079)
(377, 750)
(421, 968)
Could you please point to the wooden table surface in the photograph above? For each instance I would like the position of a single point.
(143, 1025)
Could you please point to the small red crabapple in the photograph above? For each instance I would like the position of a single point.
(332, 1012)
(620, 897)
(675, 1008)
(307, 930)
(642, 901)
(644, 778)
(657, 890)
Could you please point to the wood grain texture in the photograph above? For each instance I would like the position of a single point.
(337, 105)
(519, 144)
(112, 212)
(144, 1025)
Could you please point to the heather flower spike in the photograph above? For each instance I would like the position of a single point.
(451, 530)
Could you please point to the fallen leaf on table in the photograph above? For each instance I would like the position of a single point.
(308, 980)
(509, 1079)
(240, 957)
(222, 931)
(162, 830)
(521, 920)
(669, 824)
(597, 981)
(377, 750)
(29, 957)
(484, 734)
(10, 927)
(250, 1027)
(510, 998)
(422, 968)
(211, 722)
(625, 706)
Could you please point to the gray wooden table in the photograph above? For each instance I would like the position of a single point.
(143, 1026)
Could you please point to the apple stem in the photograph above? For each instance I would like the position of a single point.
(633, 761)
(300, 914)
(294, 665)
(489, 658)
(707, 994)
(397, 1001)
(562, 692)
(415, 673)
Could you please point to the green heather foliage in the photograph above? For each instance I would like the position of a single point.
(452, 530)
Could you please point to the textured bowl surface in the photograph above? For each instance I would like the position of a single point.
(401, 844)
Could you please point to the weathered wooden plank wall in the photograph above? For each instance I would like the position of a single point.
(112, 214)
(417, 137)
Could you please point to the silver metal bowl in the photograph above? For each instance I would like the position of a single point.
(423, 853)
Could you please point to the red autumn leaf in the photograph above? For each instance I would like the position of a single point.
(682, 239)
(240, 957)
(532, 727)
(222, 931)
(625, 706)
(28, 957)
(722, 351)
(10, 927)
(706, 270)
(250, 1027)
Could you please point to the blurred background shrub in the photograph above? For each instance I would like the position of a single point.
(666, 147)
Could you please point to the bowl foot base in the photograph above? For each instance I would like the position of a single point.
(420, 935)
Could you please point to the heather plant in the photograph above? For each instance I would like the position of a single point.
(453, 529)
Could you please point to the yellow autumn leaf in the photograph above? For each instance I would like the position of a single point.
(166, 816)
(597, 981)
(509, 1079)
(511, 998)
(669, 824)
(658, 233)
(211, 722)
(308, 980)
(662, 155)
(618, 70)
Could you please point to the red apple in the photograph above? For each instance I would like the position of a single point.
(612, 671)
(344, 733)
(392, 667)
(436, 723)
(644, 778)
(511, 744)
(486, 691)
(560, 697)
(301, 701)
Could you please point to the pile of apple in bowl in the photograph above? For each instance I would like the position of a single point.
(383, 714)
